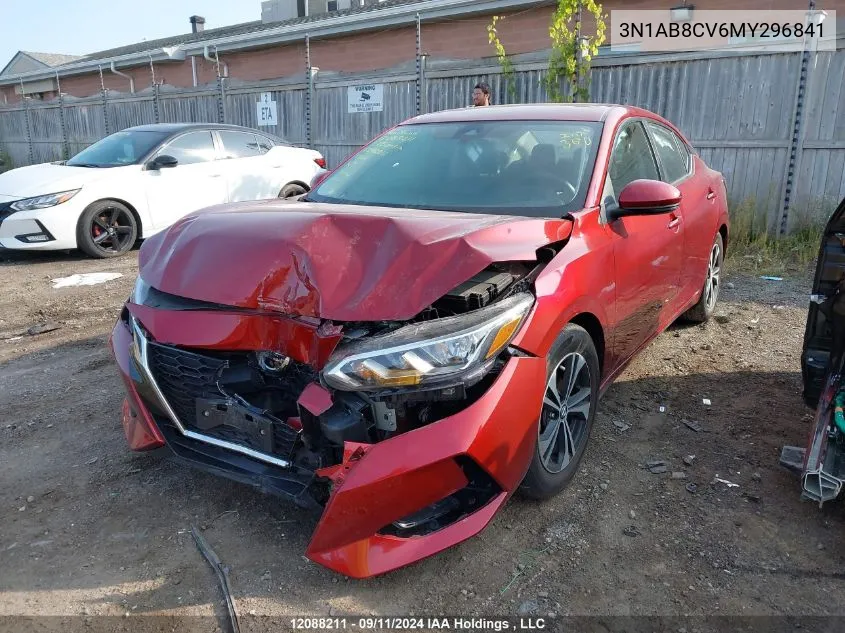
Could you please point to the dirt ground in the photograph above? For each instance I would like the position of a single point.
(89, 529)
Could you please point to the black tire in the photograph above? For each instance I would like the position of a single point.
(291, 190)
(543, 479)
(106, 229)
(706, 306)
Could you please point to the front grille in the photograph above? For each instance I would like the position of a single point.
(266, 477)
(184, 376)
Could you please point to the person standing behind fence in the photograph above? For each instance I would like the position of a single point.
(481, 95)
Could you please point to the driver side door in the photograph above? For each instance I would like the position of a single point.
(194, 183)
(647, 249)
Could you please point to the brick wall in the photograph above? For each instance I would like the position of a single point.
(521, 32)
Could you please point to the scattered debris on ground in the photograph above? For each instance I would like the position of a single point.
(85, 279)
(691, 424)
(222, 575)
(43, 328)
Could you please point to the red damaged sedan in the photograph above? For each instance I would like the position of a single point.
(430, 328)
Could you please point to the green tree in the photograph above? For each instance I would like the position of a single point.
(571, 51)
(501, 54)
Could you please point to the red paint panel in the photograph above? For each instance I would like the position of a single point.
(579, 280)
(363, 508)
(380, 554)
(334, 262)
(498, 432)
(304, 342)
(142, 433)
(315, 399)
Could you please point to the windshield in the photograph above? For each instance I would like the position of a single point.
(527, 168)
(120, 148)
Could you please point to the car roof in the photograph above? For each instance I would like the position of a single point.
(173, 128)
(597, 112)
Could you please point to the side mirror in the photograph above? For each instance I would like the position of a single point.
(646, 197)
(319, 178)
(162, 162)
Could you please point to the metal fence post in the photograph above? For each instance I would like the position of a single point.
(419, 67)
(156, 114)
(62, 121)
(221, 100)
(28, 125)
(423, 84)
(796, 142)
(104, 94)
(309, 75)
(156, 111)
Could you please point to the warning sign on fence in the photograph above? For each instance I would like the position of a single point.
(367, 98)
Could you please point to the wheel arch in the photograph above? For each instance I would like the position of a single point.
(590, 322)
(132, 209)
(548, 320)
(723, 231)
(298, 182)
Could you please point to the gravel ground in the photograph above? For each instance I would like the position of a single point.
(89, 529)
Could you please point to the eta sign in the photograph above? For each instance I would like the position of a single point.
(267, 112)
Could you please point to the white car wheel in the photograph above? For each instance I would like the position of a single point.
(106, 229)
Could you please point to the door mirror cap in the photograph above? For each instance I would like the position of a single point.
(162, 162)
(646, 197)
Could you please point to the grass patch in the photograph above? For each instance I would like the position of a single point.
(754, 248)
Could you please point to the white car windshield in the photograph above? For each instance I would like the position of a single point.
(121, 148)
(527, 168)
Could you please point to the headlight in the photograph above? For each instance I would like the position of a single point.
(440, 352)
(140, 291)
(43, 202)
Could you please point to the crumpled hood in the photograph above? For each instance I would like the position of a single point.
(337, 262)
(37, 180)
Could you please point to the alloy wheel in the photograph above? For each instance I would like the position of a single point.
(711, 287)
(566, 408)
(111, 230)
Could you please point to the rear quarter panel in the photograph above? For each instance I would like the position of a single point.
(702, 218)
(293, 164)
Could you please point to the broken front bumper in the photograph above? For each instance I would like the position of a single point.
(377, 484)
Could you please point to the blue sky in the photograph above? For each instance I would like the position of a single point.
(77, 27)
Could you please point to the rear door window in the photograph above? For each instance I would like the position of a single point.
(264, 143)
(239, 144)
(673, 163)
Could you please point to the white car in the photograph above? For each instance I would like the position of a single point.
(141, 180)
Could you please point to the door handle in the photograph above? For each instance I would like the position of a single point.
(710, 193)
(673, 222)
